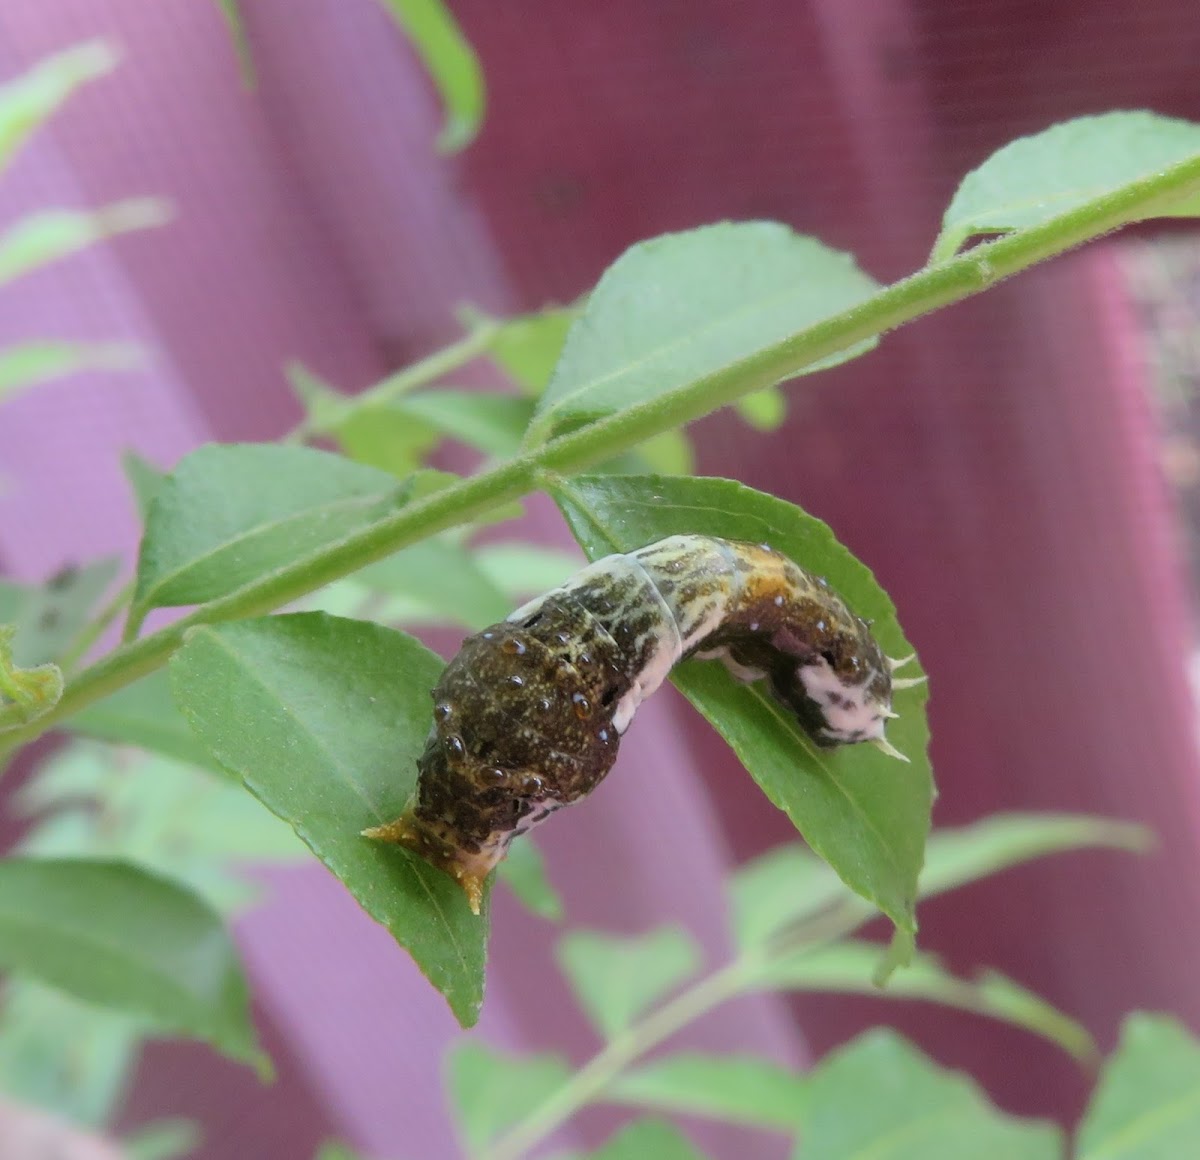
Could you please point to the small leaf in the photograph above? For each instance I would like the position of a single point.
(33, 691)
(528, 347)
(386, 438)
(522, 570)
(1036, 178)
(144, 478)
(324, 720)
(880, 1097)
(670, 453)
(658, 320)
(763, 410)
(113, 934)
(227, 514)
(489, 422)
(644, 1139)
(144, 714)
(865, 814)
(32, 363)
(616, 978)
(452, 64)
(524, 873)
(163, 1140)
(491, 1092)
(50, 235)
(1147, 1104)
(788, 885)
(957, 856)
(60, 1053)
(48, 618)
(739, 1089)
(34, 97)
(849, 968)
(232, 12)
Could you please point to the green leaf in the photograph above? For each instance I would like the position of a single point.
(616, 978)
(670, 453)
(59, 1053)
(324, 720)
(144, 714)
(491, 1092)
(32, 363)
(788, 885)
(524, 873)
(957, 856)
(386, 438)
(489, 422)
(114, 934)
(452, 65)
(232, 12)
(658, 320)
(32, 98)
(442, 575)
(880, 1097)
(763, 410)
(648, 1138)
(528, 347)
(48, 618)
(1147, 1104)
(144, 479)
(228, 514)
(1036, 178)
(162, 1140)
(48, 236)
(865, 814)
(849, 968)
(739, 1089)
(522, 570)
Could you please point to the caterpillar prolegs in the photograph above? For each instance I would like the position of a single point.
(529, 715)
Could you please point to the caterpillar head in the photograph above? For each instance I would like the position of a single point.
(841, 690)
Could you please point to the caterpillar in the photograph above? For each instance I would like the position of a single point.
(527, 718)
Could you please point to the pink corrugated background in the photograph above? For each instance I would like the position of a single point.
(995, 464)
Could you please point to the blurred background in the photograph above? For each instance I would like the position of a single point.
(1021, 470)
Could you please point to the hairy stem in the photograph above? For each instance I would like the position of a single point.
(930, 288)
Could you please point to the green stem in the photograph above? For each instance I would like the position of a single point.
(403, 382)
(928, 289)
(595, 1076)
(742, 975)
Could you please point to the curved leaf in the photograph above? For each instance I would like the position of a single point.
(228, 514)
(490, 1092)
(849, 968)
(324, 720)
(111, 933)
(880, 1097)
(648, 1138)
(739, 1089)
(615, 978)
(452, 64)
(35, 96)
(865, 814)
(1036, 178)
(1147, 1104)
(658, 320)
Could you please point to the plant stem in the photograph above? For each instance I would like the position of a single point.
(591, 1080)
(404, 381)
(932, 287)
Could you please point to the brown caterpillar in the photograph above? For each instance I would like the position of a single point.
(528, 716)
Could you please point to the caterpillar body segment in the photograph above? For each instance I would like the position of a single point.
(528, 716)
